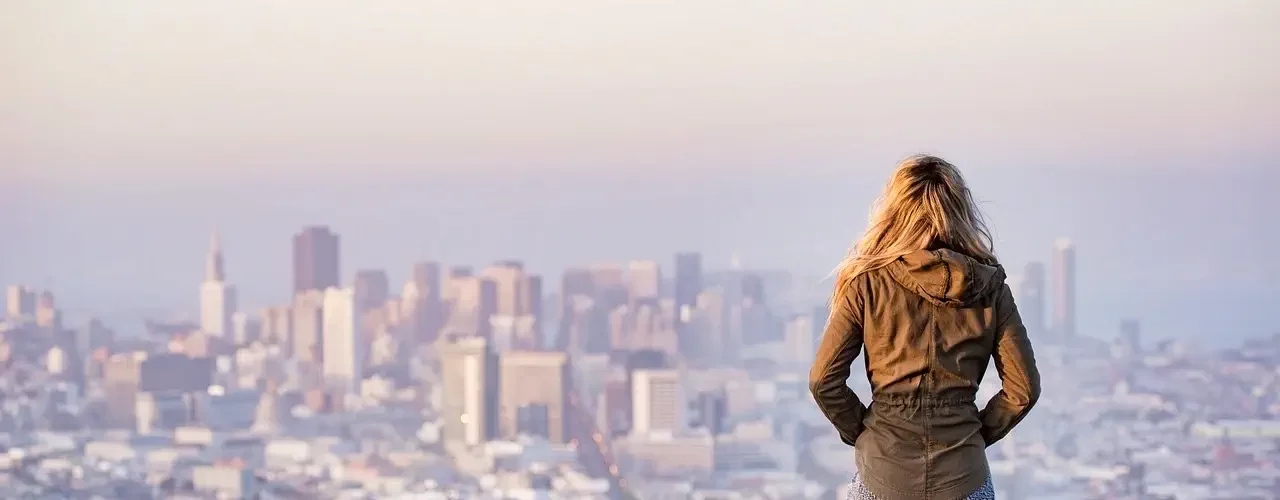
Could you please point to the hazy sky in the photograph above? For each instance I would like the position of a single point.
(162, 91)
(1144, 129)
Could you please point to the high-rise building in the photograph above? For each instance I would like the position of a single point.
(47, 313)
(704, 339)
(577, 309)
(316, 263)
(657, 402)
(217, 297)
(422, 303)
(307, 317)
(1064, 288)
(688, 284)
(121, 379)
(644, 280)
(277, 326)
(469, 376)
(372, 288)
(530, 379)
(1031, 297)
(472, 305)
(20, 301)
(344, 347)
(519, 299)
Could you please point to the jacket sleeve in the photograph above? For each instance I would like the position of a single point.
(1019, 378)
(840, 344)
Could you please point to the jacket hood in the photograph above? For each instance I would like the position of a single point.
(946, 277)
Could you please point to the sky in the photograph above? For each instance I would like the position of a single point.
(570, 131)
(161, 92)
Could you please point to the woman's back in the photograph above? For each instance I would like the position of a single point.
(929, 320)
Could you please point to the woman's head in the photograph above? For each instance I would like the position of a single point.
(926, 205)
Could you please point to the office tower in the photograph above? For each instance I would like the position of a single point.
(577, 293)
(703, 340)
(245, 328)
(47, 313)
(372, 288)
(646, 324)
(1064, 289)
(20, 301)
(644, 280)
(657, 402)
(472, 307)
(277, 326)
(316, 262)
(469, 375)
(712, 411)
(307, 316)
(121, 378)
(688, 284)
(519, 295)
(424, 311)
(534, 379)
(1030, 294)
(217, 297)
(582, 328)
(343, 345)
(426, 275)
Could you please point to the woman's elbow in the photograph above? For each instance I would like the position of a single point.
(819, 384)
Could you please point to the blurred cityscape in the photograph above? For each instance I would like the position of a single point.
(632, 380)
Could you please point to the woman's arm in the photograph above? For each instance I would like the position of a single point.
(1019, 378)
(827, 379)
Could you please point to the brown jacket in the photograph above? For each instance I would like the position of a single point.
(929, 323)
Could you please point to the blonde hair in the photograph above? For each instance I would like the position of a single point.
(926, 205)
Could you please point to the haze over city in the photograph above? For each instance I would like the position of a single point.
(582, 131)
(580, 248)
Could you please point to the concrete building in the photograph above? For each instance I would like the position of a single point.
(469, 373)
(217, 297)
(534, 383)
(344, 347)
(658, 402)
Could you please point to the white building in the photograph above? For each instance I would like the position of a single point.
(468, 370)
(343, 347)
(217, 298)
(658, 402)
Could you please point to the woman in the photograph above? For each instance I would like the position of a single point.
(923, 294)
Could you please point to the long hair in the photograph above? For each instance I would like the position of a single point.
(926, 205)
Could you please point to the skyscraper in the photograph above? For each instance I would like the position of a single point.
(315, 259)
(688, 283)
(469, 374)
(217, 298)
(20, 301)
(372, 288)
(1031, 297)
(1064, 288)
(644, 280)
(343, 345)
(534, 378)
(307, 318)
(658, 402)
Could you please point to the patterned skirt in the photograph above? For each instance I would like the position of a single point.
(859, 491)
